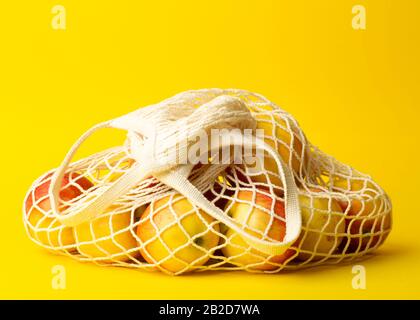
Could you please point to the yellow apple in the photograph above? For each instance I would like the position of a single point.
(323, 226)
(285, 141)
(176, 235)
(44, 228)
(108, 237)
(255, 217)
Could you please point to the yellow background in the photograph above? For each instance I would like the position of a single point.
(355, 93)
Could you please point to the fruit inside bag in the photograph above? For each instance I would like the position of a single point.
(290, 208)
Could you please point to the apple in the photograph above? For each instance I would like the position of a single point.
(108, 237)
(285, 140)
(43, 228)
(367, 220)
(323, 226)
(362, 194)
(252, 211)
(366, 233)
(176, 236)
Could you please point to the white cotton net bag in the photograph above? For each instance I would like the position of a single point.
(283, 205)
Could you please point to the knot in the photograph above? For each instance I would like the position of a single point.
(161, 135)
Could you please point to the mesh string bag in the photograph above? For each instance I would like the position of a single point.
(139, 205)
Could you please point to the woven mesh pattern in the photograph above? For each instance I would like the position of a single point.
(345, 214)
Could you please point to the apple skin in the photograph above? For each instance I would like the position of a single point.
(364, 217)
(315, 216)
(51, 232)
(366, 233)
(180, 253)
(104, 248)
(288, 141)
(363, 202)
(237, 250)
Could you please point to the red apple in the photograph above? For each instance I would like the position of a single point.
(252, 211)
(367, 221)
(48, 230)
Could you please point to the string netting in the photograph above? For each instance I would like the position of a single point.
(345, 215)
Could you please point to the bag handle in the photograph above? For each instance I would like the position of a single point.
(177, 179)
